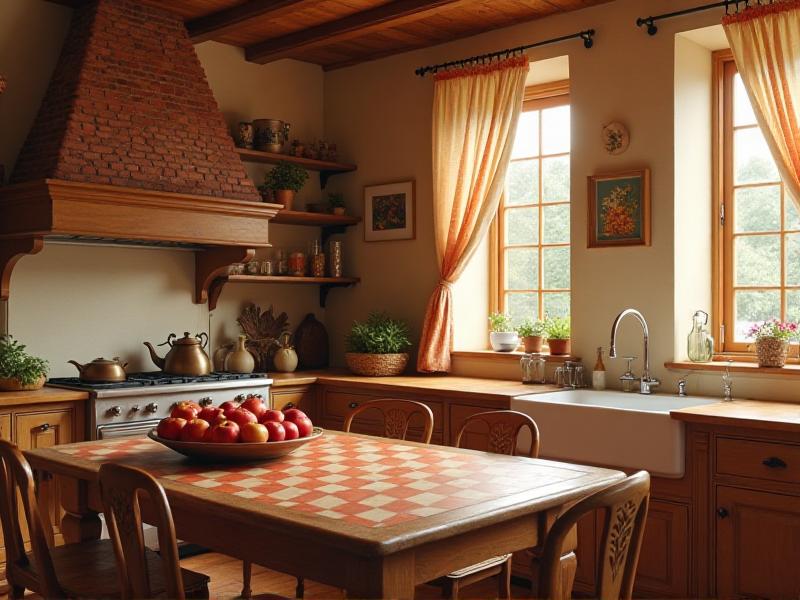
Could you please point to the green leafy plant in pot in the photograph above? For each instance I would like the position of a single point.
(557, 330)
(285, 180)
(502, 335)
(532, 334)
(336, 202)
(378, 346)
(18, 369)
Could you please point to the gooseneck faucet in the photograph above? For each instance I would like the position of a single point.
(646, 383)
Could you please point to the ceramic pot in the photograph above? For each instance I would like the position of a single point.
(12, 384)
(285, 358)
(285, 197)
(532, 343)
(338, 210)
(247, 135)
(771, 352)
(240, 360)
(560, 347)
(504, 341)
(218, 359)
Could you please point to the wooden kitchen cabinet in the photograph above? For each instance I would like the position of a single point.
(294, 396)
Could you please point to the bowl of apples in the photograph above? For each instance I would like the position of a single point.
(233, 432)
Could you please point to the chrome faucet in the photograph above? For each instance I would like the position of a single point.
(646, 383)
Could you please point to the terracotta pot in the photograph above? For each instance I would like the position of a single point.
(533, 343)
(771, 352)
(285, 197)
(12, 384)
(240, 360)
(560, 347)
(376, 365)
(338, 210)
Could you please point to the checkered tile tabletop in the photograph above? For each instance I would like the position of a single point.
(372, 482)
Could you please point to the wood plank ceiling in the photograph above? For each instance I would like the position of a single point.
(337, 33)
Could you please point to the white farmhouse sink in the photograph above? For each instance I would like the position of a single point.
(611, 428)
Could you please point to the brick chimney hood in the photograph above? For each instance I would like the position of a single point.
(130, 145)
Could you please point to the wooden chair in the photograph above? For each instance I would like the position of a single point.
(625, 505)
(142, 573)
(502, 429)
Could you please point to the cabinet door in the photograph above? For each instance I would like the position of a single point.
(300, 396)
(663, 570)
(758, 544)
(5, 427)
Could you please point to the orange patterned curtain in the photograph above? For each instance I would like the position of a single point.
(765, 40)
(475, 114)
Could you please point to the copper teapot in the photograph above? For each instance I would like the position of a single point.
(185, 357)
(101, 370)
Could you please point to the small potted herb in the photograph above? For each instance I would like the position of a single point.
(558, 336)
(532, 334)
(772, 341)
(18, 369)
(285, 180)
(502, 336)
(336, 202)
(378, 347)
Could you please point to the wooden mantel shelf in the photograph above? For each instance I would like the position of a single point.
(326, 168)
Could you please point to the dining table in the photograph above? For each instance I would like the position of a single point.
(373, 516)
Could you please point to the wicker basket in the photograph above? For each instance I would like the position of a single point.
(771, 352)
(376, 365)
(12, 384)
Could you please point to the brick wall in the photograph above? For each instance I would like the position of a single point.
(129, 105)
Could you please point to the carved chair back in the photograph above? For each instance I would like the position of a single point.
(502, 428)
(122, 488)
(397, 414)
(16, 479)
(625, 510)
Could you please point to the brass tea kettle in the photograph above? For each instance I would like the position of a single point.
(186, 355)
(101, 370)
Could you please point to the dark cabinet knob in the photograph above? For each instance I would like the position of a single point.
(44, 427)
(353, 405)
(722, 512)
(773, 462)
(288, 405)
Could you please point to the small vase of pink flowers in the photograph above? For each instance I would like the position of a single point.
(772, 341)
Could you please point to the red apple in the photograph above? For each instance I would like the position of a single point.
(252, 433)
(304, 426)
(271, 415)
(292, 414)
(241, 416)
(291, 430)
(170, 428)
(212, 414)
(194, 431)
(226, 432)
(255, 404)
(185, 410)
(277, 433)
(229, 404)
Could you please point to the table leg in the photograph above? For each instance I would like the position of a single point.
(80, 523)
(569, 566)
(391, 577)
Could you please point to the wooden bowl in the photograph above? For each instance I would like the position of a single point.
(239, 452)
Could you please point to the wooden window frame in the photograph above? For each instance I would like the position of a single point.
(536, 97)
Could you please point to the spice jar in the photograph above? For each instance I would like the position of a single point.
(282, 263)
(253, 267)
(267, 267)
(336, 259)
(317, 259)
(297, 263)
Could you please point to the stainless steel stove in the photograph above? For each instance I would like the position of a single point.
(131, 408)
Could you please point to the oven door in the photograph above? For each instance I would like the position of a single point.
(125, 430)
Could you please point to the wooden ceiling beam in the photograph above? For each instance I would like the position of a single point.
(227, 20)
(368, 21)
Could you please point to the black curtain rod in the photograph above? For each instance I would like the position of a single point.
(586, 36)
(650, 22)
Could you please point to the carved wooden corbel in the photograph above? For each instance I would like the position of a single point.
(211, 267)
(11, 250)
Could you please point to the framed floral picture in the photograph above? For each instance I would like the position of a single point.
(389, 212)
(619, 209)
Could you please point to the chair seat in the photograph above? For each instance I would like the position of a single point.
(495, 561)
(89, 570)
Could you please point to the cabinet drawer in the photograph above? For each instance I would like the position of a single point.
(339, 404)
(5, 427)
(760, 460)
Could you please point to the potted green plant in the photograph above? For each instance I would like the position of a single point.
(18, 369)
(532, 334)
(772, 341)
(336, 202)
(378, 346)
(502, 336)
(557, 330)
(285, 180)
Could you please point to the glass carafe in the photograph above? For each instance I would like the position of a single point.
(700, 346)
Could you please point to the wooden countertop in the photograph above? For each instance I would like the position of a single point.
(775, 416)
(46, 395)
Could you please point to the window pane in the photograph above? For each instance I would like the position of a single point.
(555, 228)
(757, 260)
(757, 209)
(793, 305)
(555, 179)
(555, 130)
(753, 307)
(522, 269)
(793, 259)
(792, 216)
(522, 226)
(752, 161)
(526, 141)
(556, 268)
(522, 182)
(742, 109)
(522, 306)
(556, 304)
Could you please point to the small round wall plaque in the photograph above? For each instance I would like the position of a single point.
(616, 138)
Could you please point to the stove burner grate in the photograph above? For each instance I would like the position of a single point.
(152, 378)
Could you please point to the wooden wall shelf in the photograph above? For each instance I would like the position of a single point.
(326, 168)
(326, 284)
(309, 219)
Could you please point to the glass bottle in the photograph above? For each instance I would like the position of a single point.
(599, 373)
(282, 262)
(700, 345)
(317, 259)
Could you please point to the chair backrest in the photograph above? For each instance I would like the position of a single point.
(396, 416)
(502, 428)
(625, 505)
(122, 488)
(16, 479)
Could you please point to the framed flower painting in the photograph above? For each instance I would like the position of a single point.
(619, 209)
(389, 212)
